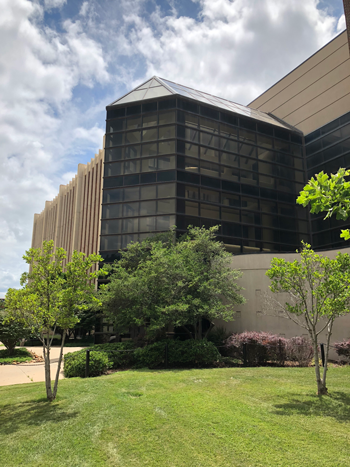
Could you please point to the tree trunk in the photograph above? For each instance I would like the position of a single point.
(46, 352)
(59, 365)
(329, 333)
(321, 389)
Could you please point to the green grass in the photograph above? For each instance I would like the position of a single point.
(191, 418)
(19, 356)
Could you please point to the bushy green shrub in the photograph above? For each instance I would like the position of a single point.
(218, 336)
(74, 364)
(190, 353)
(120, 354)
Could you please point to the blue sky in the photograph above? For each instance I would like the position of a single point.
(63, 61)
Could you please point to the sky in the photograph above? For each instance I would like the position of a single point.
(63, 61)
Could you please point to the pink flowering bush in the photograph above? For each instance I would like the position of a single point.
(343, 348)
(299, 349)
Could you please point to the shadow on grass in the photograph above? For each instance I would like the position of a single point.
(335, 405)
(32, 413)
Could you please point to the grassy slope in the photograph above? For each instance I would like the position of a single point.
(220, 417)
(19, 356)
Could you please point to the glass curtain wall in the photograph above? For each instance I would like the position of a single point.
(174, 161)
(328, 149)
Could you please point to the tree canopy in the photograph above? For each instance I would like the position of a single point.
(329, 194)
(168, 281)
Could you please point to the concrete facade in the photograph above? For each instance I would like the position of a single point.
(314, 93)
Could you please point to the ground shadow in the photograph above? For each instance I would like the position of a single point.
(335, 405)
(14, 417)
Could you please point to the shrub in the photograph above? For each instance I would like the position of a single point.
(189, 353)
(74, 364)
(11, 332)
(261, 347)
(116, 358)
(343, 348)
(218, 336)
(299, 349)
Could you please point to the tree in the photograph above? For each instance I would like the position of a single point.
(167, 282)
(52, 296)
(329, 194)
(318, 291)
(10, 331)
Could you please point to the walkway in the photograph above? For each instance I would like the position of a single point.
(32, 372)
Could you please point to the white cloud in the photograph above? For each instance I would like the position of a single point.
(341, 24)
(54, 3)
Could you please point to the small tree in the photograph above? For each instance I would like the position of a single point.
(318, 291)
(10, 331)
(329, 194)
(52, 297)
(167, 282)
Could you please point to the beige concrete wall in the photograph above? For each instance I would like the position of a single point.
(72, 218)
(314, 93)
(253, 315)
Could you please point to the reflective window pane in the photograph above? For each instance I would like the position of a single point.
(209, 154)
(250, 203)
(165, 222)
(149, 149)
(228, 214)
(167, 132)
(185, 163)
(166, 147)
(187, 119)
(114, 139)
(147, 224)
(188, 133)
(191, 208)
(230, 200)
(245, 135)
(113, 169)
(208, 125)
(167, 117)
(130, 209)
(207, 210)
(228, 145)
(131, 167)
(228, 131)
(166, 190)
(131, 194)
(111, 227)
(133, 122)
(166, 163)
(166, 206)
(209, 169)
(114, 154)
(150, 134)
(130, 225)
(111, 243)
(150, 120)
(113, 196)
(147, 208)
(149, 165)
(209, 140)
(230, 159)
(132, 137)
(210, 196)
(148, 192)
(132, 152)
(115, 125)
(229, 174)
(112, 211)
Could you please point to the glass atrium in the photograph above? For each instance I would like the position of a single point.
(177, 156)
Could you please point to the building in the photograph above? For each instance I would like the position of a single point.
(178, 156)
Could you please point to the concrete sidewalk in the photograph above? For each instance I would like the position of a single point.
(33, 372)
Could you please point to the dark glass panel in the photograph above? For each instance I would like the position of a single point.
(147, 208)
(247, 150)
(208, 125)
(209, 154)
(187, 191)
(132, 152)
(210, 196)
(249, 177)
(191, 208)
(111, 227)
(250, 203)
(112, 211)
(165, 222)
(231, 230)
(270, 235)
(270, 221)
(113, 169)
(167, 132)
(130, 209)
(148, 192)
(208, 112)
(265, 129)
(229, 118)
(131, 167)
(167, 117)
(166, 163)
(344, 118)
(166, 147)
(267, 181)
(265, 155)
(166, 206)
(166, 176)
(150, 134)
(128, 239)
(166, 190)
(131, 194)
(296, 138)
(265, 141)
(250, 217)
(289, 237)
(298, 164)
(211, 182)
(149, 149)
(149, 107)
(228, 214)
(268, 206)
(286, 197)
(112, 182)
(167, 104)
(285, 185)
(149, 165)
(187, 148)
(109, 257)
(296, 150)
(134, 122)
(249, 164)
(209, 140)
(115, 125)
(207, 210)
(133, 110)
(228, 145)
(183, 222)
(247, 136)
(230, 200)
(131, 180)
(115, 113)
(111, 243)
(313, 147)
(285, 159)
(147, 224)
(209, 169)
(282, 134)
(185, 163)
(250, 190)
(115, 154)
(188, 177)
(228, 131)
(231, 186)
(188, 133)
(187, 119)
(207, 223)
(150, 120)
(148, 178)
(282, 145)
(270, 194)
(230, 173)
(230, 159)
(114, 139)
(130, 225)
(248, 124)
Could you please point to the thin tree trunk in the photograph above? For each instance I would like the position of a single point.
(59, 365)
(47, 370)
(329, 333)
(321, 390)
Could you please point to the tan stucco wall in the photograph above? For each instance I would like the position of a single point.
(72, 219)
(314, 93)
(253, 316)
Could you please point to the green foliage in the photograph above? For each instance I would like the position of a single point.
(190, 353)
(16, 356)
(167, 282)
(218, 336)
(11, 332)
(329, 194)
(74, 364)
(119, 353)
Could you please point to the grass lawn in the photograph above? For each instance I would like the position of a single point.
(210, 418)
(19, 355)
